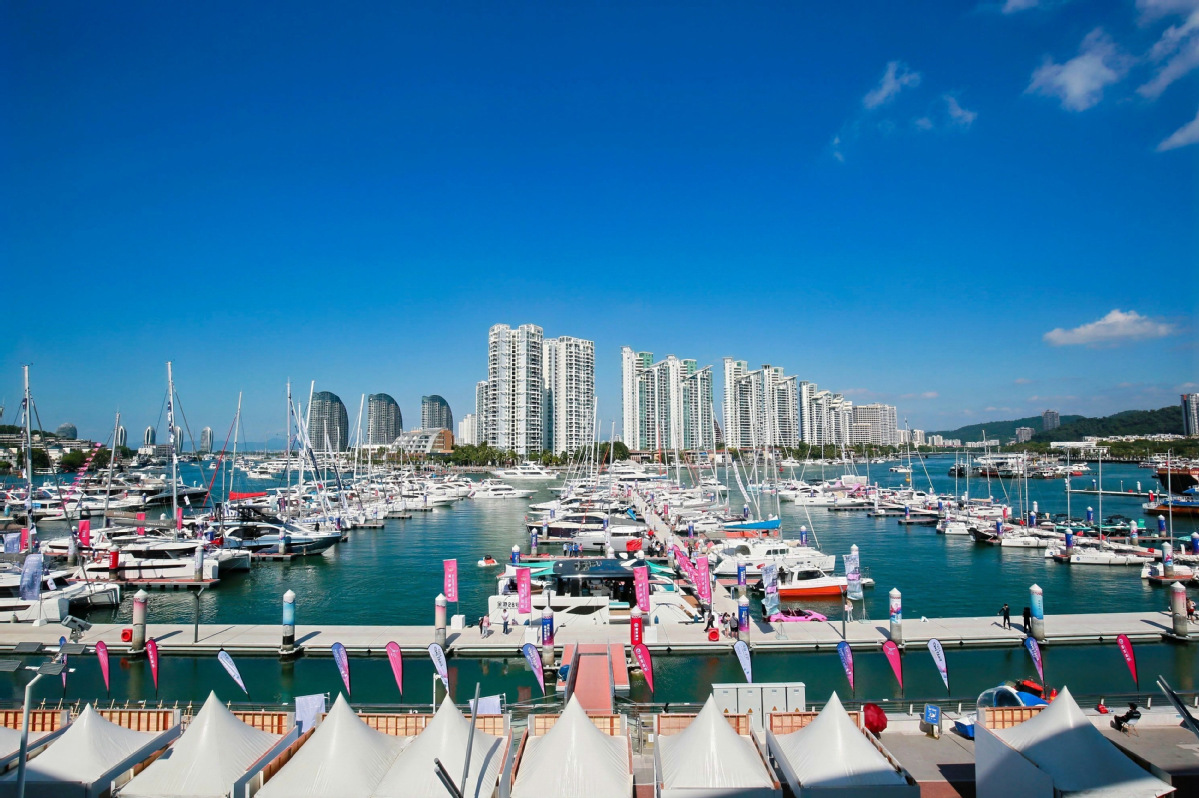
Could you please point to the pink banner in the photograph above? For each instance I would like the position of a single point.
(451, 579)
(102, 655)
(141, 529)
(892, 652)
(1130, 658)
(397, 665)
(641, 654)
(703, 581)
(178, 518)
(641, 586)
(524, 591)
(152, 655)
(342, 660)
(684, 563)
(24, 539)
(85, 533)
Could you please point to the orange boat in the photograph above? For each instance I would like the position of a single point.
(807, 582)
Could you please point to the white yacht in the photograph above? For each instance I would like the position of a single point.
(526, 470)
(494, 489)
(759, 553)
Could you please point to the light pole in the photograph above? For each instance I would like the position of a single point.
(53, 668)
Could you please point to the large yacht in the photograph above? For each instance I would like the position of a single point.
(526, 470)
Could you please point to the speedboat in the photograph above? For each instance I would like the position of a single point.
(758, 554)
(494, 489)
(807, 582)
(526, 470)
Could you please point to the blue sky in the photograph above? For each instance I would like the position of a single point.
(971, 211)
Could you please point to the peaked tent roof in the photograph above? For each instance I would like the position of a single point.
(214, 752)
(574, 760)
(710, 754)
(10, 740)
(88, 748)
(343, 758)
(1063, 743)
(412, 773)
(831, 751)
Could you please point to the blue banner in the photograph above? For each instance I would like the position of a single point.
(12, 543)
(533, 656)
(31, 578)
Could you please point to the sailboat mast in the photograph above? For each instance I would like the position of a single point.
(174, 451)
(111, 462)
(28, 451)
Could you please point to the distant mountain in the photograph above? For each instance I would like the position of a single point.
(1167, 420)
(1000, 430)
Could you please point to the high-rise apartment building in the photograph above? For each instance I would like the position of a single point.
(568, 370)
(827, 418)
(512, 419)
(670, 404)
(468, 430)
(631, 365)
(1190, 414)
(384, 421)
(1024, 434)
(328, 423)
(761, 407)
(881, 425)
(206, 440)
(122, 437)
(435, 413)
(480, 403)
(149, 437)
(1050, 420)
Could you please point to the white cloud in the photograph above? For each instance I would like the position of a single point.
(923, 123)
(925, 395)
(837, 149)
(1178, 47)
(1155, 9)
(1187, 387)
(1113, 329)
(957, 114)
(1022, 381)
(895, 79)
(1013, 6)
(1187, 134)
(1079, 82)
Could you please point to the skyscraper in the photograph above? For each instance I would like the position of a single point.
(670, 406)
(206, 440)
(150, 437)
(122, 437)
(631, 365)
(328, 423)
(1190, 414)
(568, 368)
(384, 422)
(435, 413)
(1050, 420)
(468, 430)
(480, 404)
(67, 431)
(761, 408)
(515, 387)
(881, 425)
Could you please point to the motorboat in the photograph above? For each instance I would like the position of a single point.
(57, 598)
(808, 582)
(494, 489)
(1155, 573)
(526, 470)
(256, 531)
(758, 554)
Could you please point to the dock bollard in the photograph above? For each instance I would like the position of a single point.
(139, 621)
(741, 588)
(896, 613)
(515, 554)
(288, 648)
(1178, 609)
(1037, 602)
(743, 615)
(547, 636)
(439, 605)
(1167, 560)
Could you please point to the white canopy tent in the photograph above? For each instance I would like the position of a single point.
(413, 774)
(10, 740)
(574, 759)
(710, 755)
(212, 754)
(85, 753)
(1057, 752)
(832, 756)
(344, 758)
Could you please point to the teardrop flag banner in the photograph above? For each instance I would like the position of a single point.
(231, 668)
(741, 649)
(152, 655)
(343, 664)
(1130, 658)
(437, 654)
(641, 654)
(1034, 651)
(892, 653)
(533, 657)
(641, 587)
(846, 655)
(397, 664)
(62, 641)
(102, 655)
(934, 648)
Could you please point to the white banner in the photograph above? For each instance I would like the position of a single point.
(934, 648)
(437, 654)
(741, 649)
(853, 577)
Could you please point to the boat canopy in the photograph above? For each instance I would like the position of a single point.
(1067, 748)
(413, 774)
(214, 752)
(89, 748)
(235, 496)
(710, 755)
(832, 752)
(574, 759)
(344, 758)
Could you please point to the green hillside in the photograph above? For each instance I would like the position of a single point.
(1129, 422)
(1000, 430)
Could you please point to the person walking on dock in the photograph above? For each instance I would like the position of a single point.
(1006, 612)
(1027, 621)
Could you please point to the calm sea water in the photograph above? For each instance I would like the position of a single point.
(391, 575)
